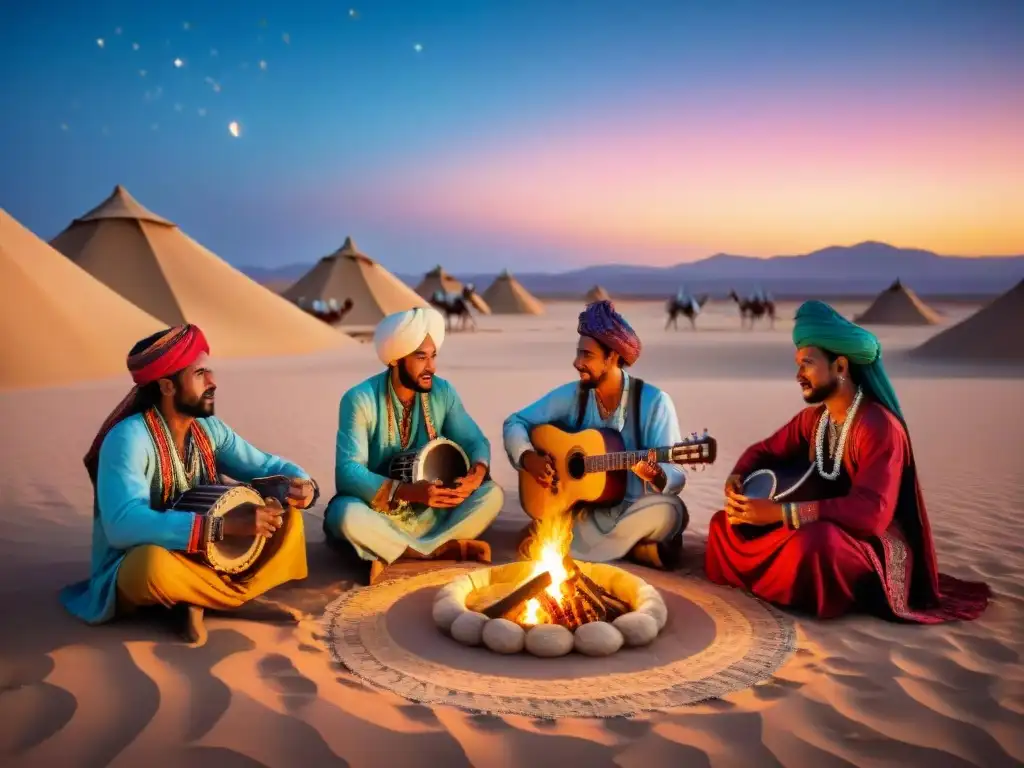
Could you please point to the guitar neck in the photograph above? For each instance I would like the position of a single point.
(611, 462)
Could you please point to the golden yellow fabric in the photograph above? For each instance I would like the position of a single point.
(151, 575)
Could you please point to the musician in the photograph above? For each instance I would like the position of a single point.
(648, 524)
(865, 546)
(400, 409)
(162, 440)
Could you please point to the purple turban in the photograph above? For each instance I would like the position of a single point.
(602, 323)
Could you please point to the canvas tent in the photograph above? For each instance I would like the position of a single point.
(506, 296)
(898, 305)
(61, 325)
(993, 333)
(350, 274)
(152, 263)
(597, 293)
(437, 280)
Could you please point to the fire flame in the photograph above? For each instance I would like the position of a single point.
(548, 552)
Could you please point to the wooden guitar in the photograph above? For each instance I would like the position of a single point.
(592, 467)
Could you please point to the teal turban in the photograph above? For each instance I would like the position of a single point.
(818, 325)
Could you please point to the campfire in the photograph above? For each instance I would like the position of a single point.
(549, 604)
(557, 592)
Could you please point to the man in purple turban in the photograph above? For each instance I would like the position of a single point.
(647, 525)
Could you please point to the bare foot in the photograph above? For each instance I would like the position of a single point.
(376, 571)
(195, 628)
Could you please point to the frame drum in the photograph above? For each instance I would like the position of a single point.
(234, 554)
(440, 459)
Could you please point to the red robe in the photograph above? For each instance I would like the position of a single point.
(874, 541)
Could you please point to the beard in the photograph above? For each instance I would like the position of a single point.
(199, 408)
(821, 392)
(592, 381)
(409, 382)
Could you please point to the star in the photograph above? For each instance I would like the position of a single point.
(117, 30)
(142, 73)
(263, 65)
(135, 46)
(353, 13)
(202, 111)
(186, 26)
(234, 128)
(99, 42)
(179, 63)
(177, 107)
(418, 48)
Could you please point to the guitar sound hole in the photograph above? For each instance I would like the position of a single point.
(576, 466)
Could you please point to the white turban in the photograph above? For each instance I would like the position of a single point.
(402, 333)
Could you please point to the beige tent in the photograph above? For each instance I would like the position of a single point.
(60, 324)
(437, 280)
(160, 269)
(597, 293)
(993, 333)
(350, 274)
(506, 296)
(898, 305)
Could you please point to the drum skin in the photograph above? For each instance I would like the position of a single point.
(234, 554)
(440, 459)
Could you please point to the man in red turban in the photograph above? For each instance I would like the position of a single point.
(647, 525)
(160, 441)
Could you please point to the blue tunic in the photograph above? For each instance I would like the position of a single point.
(124, 514)
(659, 427)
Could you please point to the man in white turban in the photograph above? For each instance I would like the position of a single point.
(400, 409)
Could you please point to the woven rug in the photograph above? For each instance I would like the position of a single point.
(717, 640)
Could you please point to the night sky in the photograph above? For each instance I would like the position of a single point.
(539, 134)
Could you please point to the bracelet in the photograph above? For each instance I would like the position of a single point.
(316, 494)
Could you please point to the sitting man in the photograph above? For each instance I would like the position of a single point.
(646, 526)
(161, 441)
(403, 408)
(863, 541)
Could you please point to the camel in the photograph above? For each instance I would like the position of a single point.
(459, 307)
(329, 311)
(678, 305)
(754, 308)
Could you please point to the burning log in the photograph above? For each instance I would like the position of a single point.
(510, 604)
(595, 594)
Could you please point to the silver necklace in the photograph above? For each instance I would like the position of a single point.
(823, 424)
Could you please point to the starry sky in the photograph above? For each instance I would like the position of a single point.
(535, 134)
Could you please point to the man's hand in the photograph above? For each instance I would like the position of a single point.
(465, 486)
(300, 493)
(734, 483)
(740, 509)
(264, 521)
(650, 473)
(540, 467)
(429, 494)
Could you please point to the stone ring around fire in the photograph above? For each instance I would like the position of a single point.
(502, 608)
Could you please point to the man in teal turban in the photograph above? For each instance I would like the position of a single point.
(855, 533)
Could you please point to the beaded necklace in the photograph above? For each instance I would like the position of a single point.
(405, 428)
(826, 423)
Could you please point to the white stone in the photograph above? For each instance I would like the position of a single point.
(468, 628)
(598, 638)
(549, 640)
(637, 628)
(458, 589)
(647, 592)
(656, 609)
(446, 611)
(504, 636)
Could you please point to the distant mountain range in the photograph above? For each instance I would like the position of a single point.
(854, 270)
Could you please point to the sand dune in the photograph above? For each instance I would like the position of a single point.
(858, 691)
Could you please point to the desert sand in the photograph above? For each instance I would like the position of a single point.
(858, 691)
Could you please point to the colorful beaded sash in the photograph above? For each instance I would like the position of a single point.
(175, 475)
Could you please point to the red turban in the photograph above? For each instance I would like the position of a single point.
(169, 352)
(601, 322)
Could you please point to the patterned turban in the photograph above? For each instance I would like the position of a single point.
(818, 325)
(401, 334)
(168, 352)
(602, 323)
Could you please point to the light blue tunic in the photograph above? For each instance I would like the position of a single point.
(364, 450)
(124, 516)
(659, 427)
